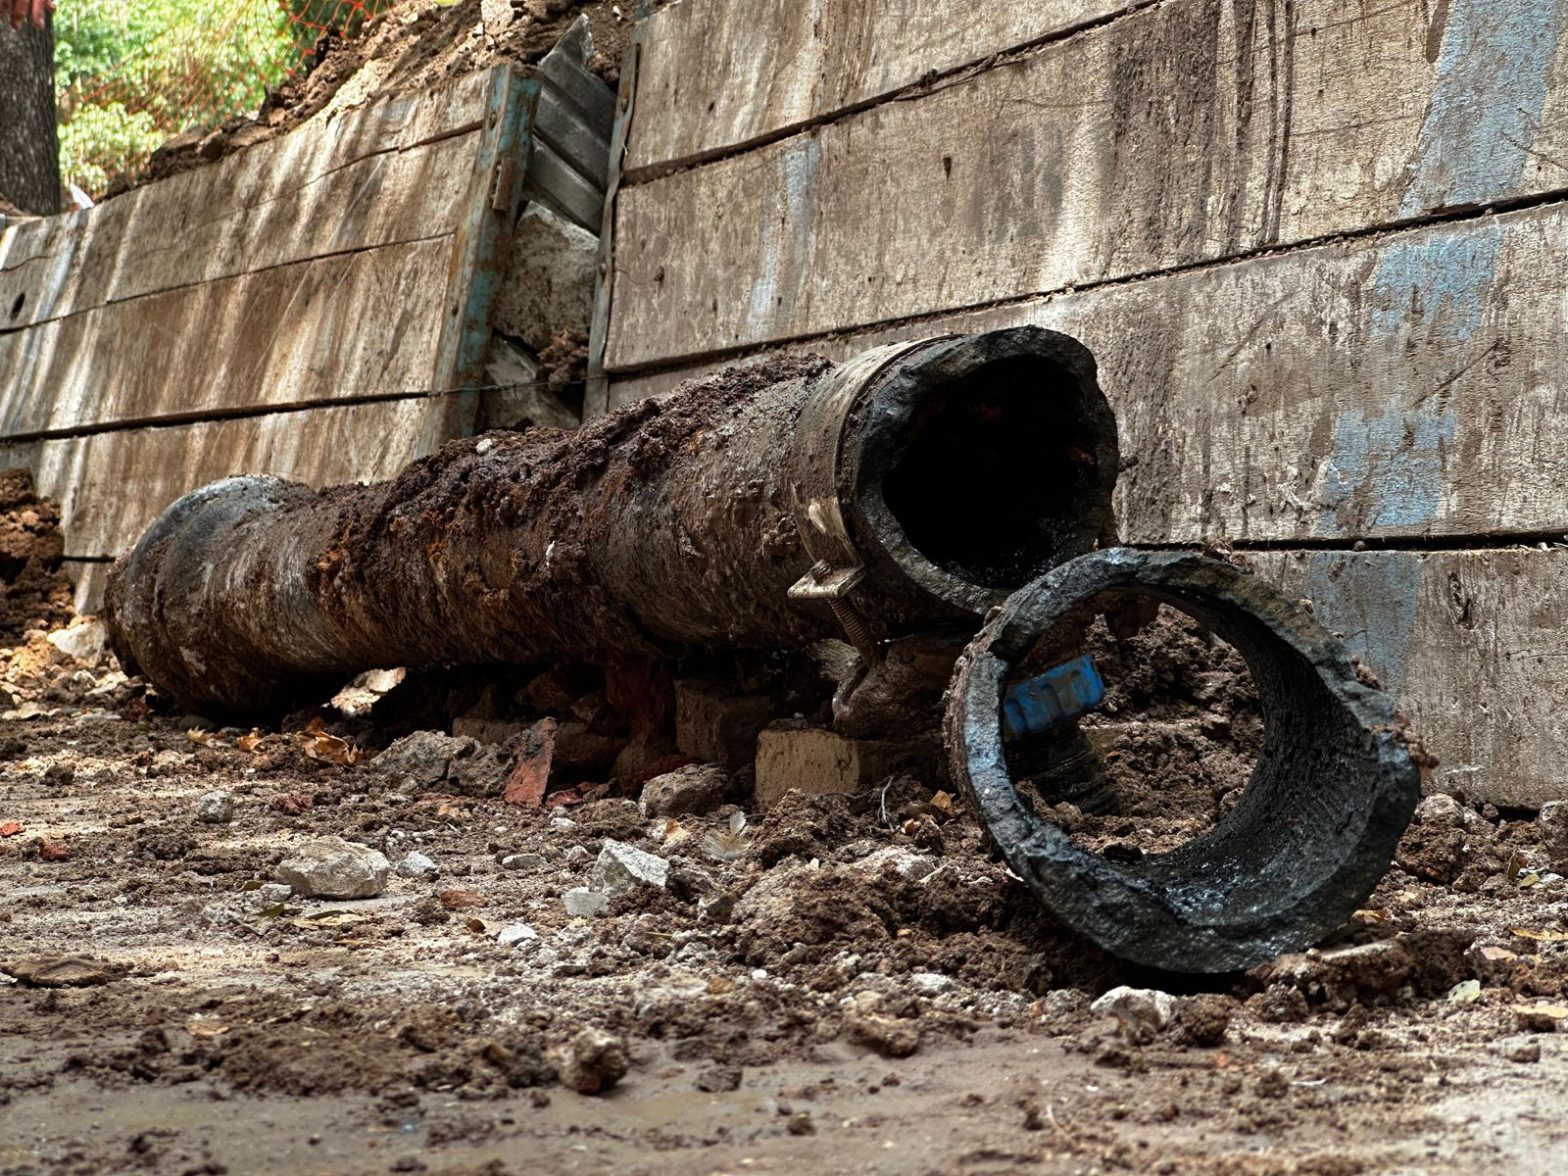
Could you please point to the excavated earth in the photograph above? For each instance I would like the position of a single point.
(839, 984)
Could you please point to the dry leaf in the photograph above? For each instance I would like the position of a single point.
(250, 741)
(1543, 936)
(201, 1027)
(320, 744)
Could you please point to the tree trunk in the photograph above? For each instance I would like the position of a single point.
(29, 144)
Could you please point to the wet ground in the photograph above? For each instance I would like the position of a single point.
(837, 985)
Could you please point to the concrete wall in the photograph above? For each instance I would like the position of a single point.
(1316, 247)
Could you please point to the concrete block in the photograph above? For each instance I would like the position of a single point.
(717, 725)
(822, 762)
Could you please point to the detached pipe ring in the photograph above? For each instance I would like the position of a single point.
(1334, 786)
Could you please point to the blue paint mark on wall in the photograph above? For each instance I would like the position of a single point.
(785, 239)
(1439, 278)
(1371, 599)
(1396, 458)
(1493, 72)
(1387, 466)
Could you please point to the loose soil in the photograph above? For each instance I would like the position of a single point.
(412, 47)
(845, 984)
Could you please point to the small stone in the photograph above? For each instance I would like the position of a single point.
(1439, 809)
(269, 896)
(85, 640)
(53, 849)
(59, 776)
(593, 1062)
(719, 1079)
(523, 861)
(930, 983)
(1136, 1008)
(622, 867)
(1465, 992)
(1203, 1020)
(1525, 1051)
(582, 903)
(516, 933)
(215, 808)
(67, 971)
(415, 865)
(906, 863)
(888, 1036)
(695, 788)
(421, 759)
(331, 867)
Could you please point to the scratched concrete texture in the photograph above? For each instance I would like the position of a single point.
(1317, 249)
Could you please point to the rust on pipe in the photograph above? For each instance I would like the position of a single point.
(764, 506)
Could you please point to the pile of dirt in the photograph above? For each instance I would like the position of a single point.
(34, 591)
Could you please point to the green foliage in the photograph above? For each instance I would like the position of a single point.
(101, 141)
(133, 72)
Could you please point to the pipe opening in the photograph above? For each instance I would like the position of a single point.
(990, 482)
(985, 461)
(1164, 755)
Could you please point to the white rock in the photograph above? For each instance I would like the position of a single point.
(269, 896)
(516, 933)
(330, 867)
(582, 903)
(930, 983)
(1135, 1007)
(909, 864)
(215, 808)
(1440, 810)
(85, 640)
(415, 865)
(621, 867)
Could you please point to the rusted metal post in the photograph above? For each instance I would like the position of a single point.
(1334, 786)
(917, 482)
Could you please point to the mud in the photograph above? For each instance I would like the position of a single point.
(849, 982)
(34, 592)
(1178, 733)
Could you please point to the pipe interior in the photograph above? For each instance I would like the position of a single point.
(1301, 814)
(992, 469)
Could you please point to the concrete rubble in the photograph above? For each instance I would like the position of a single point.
(330, 867)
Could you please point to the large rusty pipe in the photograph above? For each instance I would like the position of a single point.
(766, 505)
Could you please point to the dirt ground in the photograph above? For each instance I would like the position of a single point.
(840, 984)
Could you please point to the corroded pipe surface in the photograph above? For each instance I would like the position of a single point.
(918, 481)
(1333, 788)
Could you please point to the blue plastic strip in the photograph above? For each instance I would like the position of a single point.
(1057, 696)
